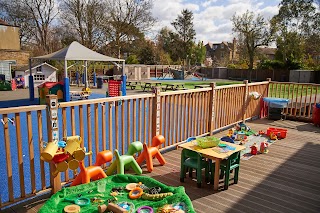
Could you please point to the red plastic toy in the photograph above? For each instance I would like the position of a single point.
(149, 152)
(280, 133)
(254, 150)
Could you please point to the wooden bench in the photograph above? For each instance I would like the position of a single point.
(201, 86)
(176, 86)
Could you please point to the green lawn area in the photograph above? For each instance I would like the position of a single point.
(286, 91)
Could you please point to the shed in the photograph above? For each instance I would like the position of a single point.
(41, 73)
(302, 76)
(219, 72)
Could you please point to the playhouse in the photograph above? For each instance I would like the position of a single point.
(48, 88)
(6, 81)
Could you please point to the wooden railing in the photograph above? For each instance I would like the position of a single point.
(302, 98)
(113, 123)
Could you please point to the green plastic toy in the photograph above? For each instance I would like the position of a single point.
(123, 162)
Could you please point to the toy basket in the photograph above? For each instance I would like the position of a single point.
(280, 133)
(207, 142)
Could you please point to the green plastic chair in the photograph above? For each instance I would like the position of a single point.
(193, 160)
(227, 166)
(126, 161)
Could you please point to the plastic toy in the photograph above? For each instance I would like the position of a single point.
(94, 172)
(230, 133)
(135, 193)
(71, 209)
(273, 136)
(112, 208)
(280, 133)
(145, 209)
(129, 207)
(82, 201)
(150, 152)
(147, 196)
(64, 158)
(254, 149)
(261, 132)
(241, 136)
(264, 147)
(126, 160)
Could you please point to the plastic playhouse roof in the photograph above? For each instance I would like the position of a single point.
(77, 52)
(49, 84)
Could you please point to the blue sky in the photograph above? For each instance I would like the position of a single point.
(211, 17)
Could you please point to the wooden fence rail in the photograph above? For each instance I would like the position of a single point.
(302, 98)
(113, 123)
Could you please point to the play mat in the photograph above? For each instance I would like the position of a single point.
(68, 196)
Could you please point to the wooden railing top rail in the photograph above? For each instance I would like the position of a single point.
(186, 91)
(103, 100)
(241, 85)
(11, 110)
(309, 84)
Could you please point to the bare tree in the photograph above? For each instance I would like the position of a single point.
(86, 17)
(127, 20)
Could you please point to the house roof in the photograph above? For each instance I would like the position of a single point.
(267, 50)
(77, 52)
(26, 68)
(3, 22)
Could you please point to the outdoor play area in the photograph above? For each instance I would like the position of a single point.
(158, 144)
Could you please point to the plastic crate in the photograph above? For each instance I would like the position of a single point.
(280, 133)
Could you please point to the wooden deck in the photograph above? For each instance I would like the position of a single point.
(287, 179)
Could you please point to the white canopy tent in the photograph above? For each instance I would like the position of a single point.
(76, 52)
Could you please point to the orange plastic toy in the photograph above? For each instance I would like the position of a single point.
(150, 152)
(93, 172)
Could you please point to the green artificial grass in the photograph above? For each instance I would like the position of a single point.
(57, 203)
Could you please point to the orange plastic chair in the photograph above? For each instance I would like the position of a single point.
(150, 152)
(94, 172)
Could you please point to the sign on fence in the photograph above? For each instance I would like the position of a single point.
(114, 88)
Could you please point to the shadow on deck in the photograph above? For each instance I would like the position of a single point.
(287, 179)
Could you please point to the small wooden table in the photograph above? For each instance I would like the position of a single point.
(212, 154)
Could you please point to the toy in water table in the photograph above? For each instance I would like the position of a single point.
(94, 172)
(254, 149)
(64, 154)
(150, 152)
(264, 148)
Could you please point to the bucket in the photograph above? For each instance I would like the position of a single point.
(49, 152)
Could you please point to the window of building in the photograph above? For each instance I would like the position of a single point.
(39, 77)
(39, 69)
(222, 46)
(222, 55)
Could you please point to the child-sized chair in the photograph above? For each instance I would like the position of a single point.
(94, 172)
(193, 160)
(150, 152)
(125, 161)
(226, 166)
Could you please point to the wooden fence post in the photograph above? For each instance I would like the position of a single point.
(245, 100)
(212, 108)
(53, 135)
(156, 112)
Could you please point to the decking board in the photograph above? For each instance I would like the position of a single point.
(287, 179)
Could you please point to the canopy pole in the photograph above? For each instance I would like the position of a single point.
(66, 85)
(31, 84)
(86, 84)
(124, 80)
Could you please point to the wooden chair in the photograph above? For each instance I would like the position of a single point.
(227, 166)
(123, 162)
(193, 160)
(149, 153)
(94, 172)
